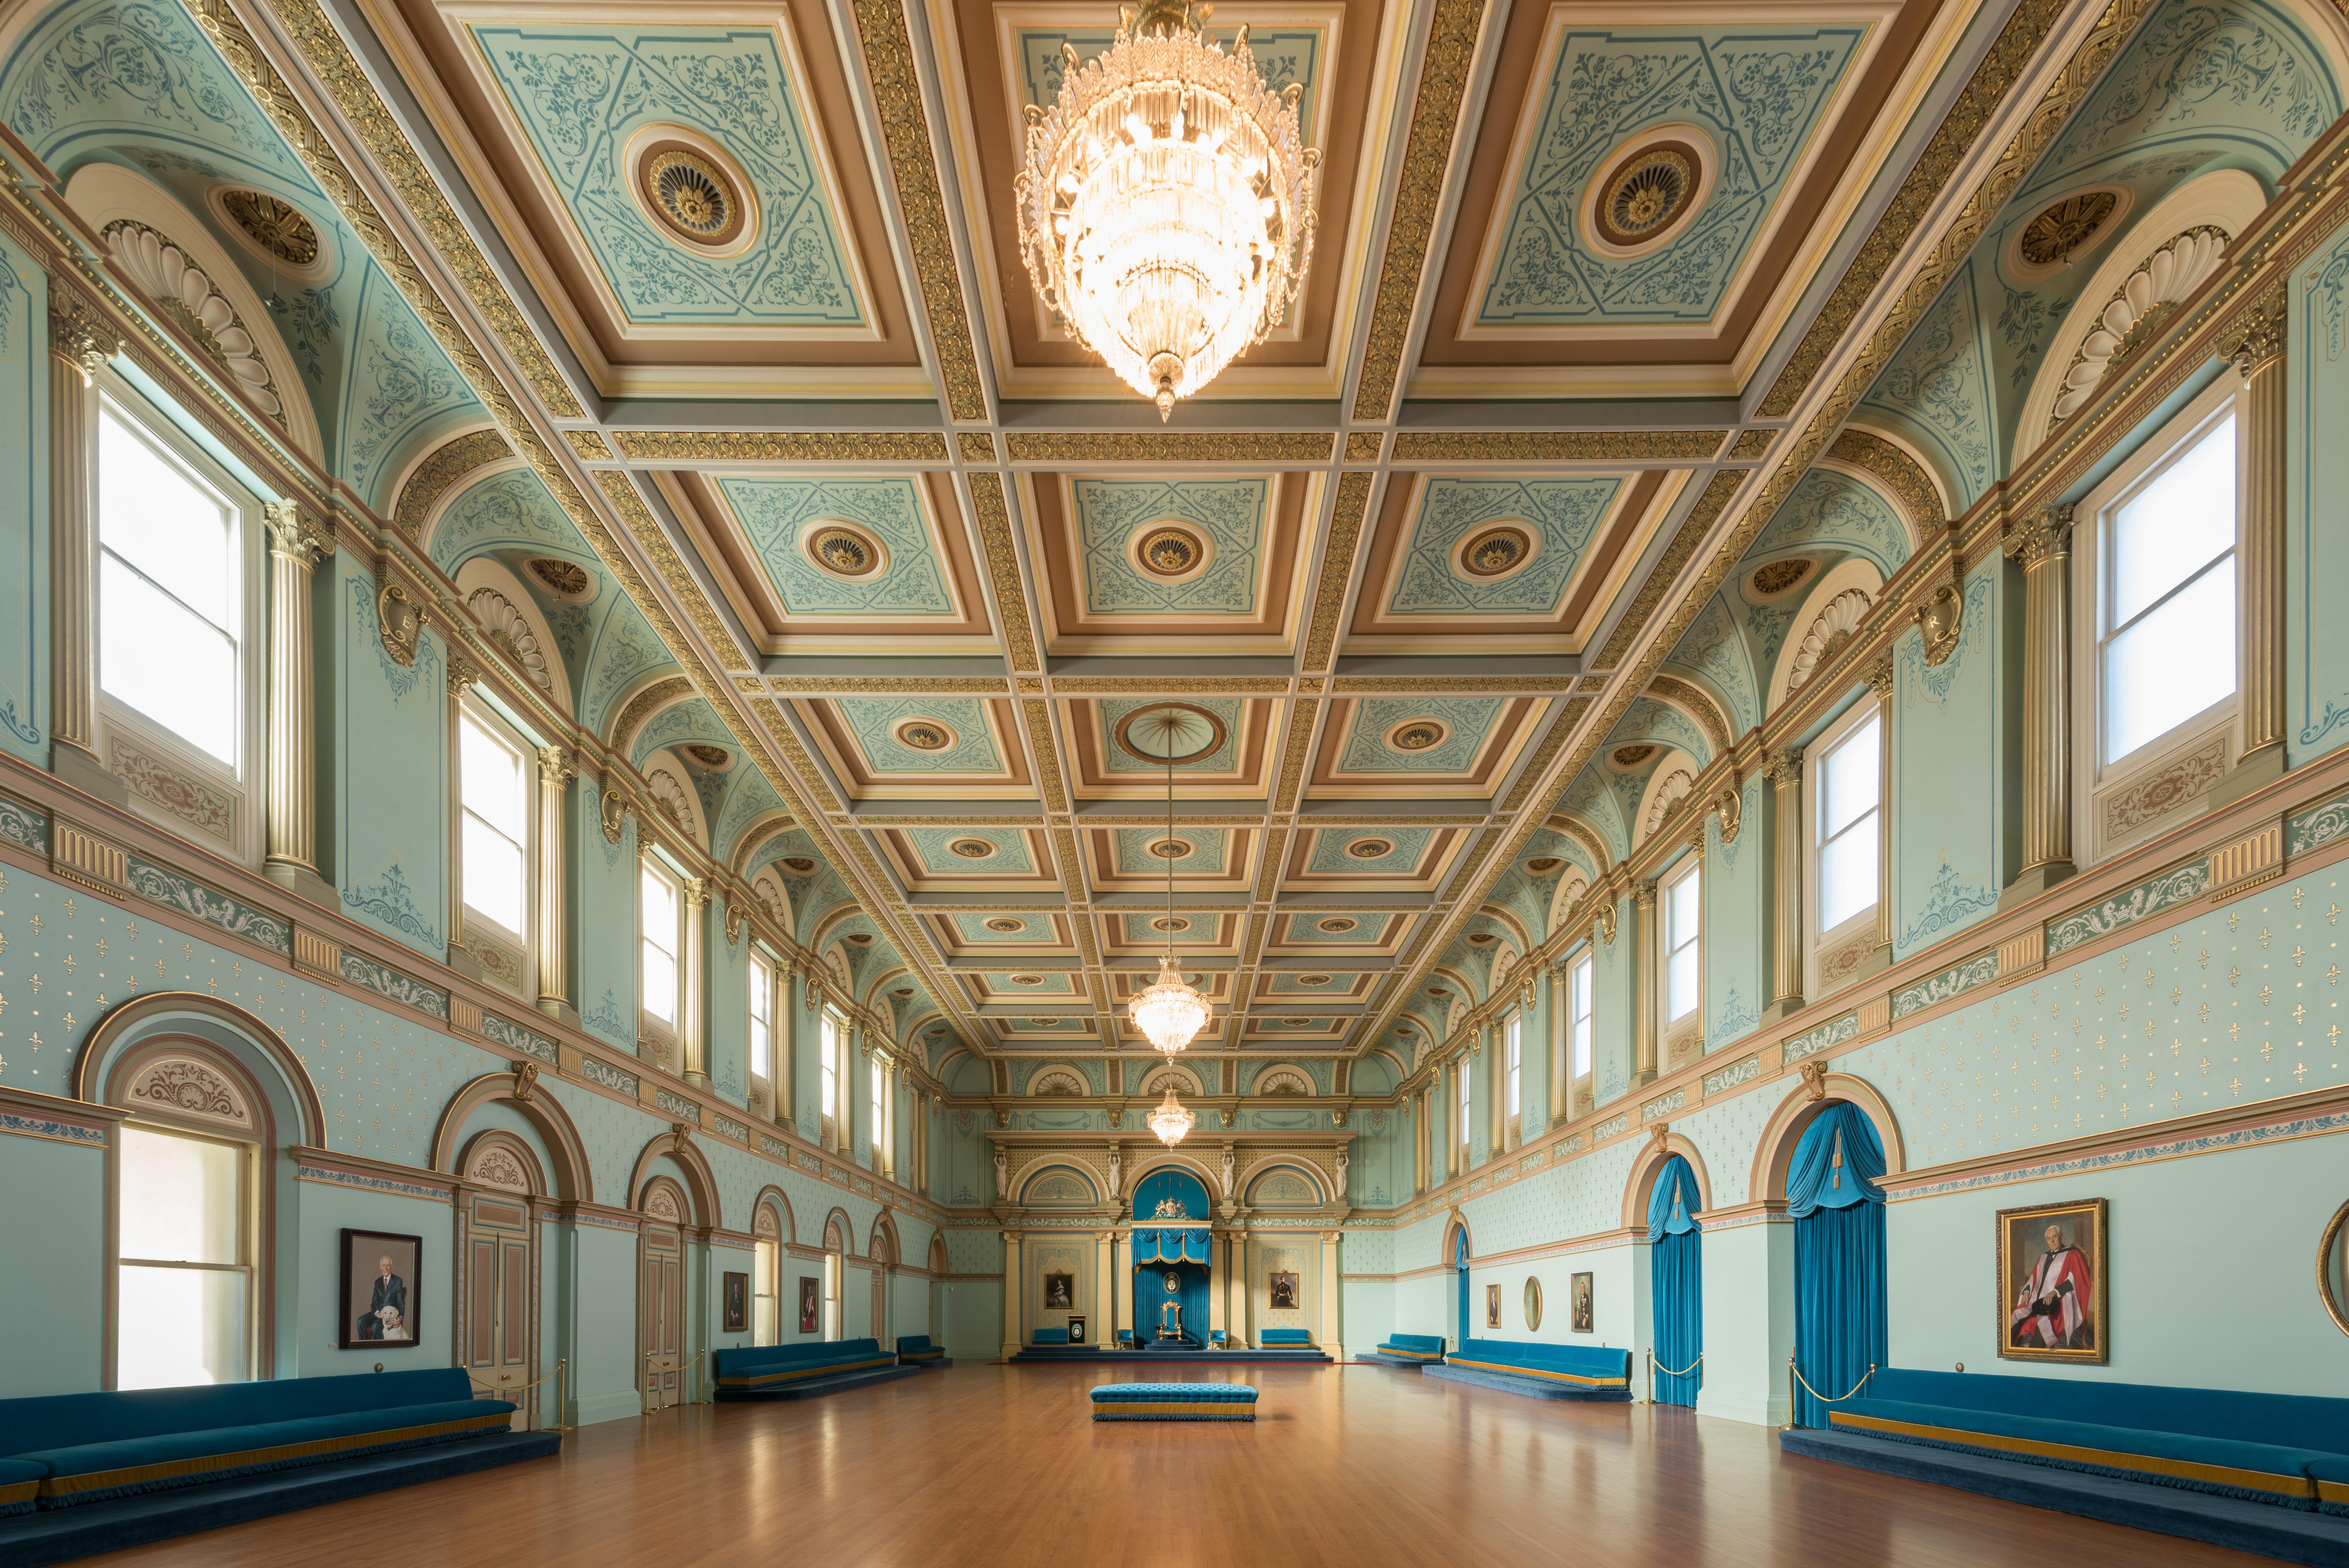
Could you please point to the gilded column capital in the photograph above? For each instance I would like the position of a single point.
(293, 533)
(1643, 892)
(1784, 769)
(463, 673)
(1878, 676)
(2264, 331)
(696, 892)
(80, 337)
(2042, 536)
(556, 766)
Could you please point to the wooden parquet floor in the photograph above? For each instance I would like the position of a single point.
(1356, 1465)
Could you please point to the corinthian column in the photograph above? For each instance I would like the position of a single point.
(1643, 1004)
(1785, 770)
(2042, 545)
(555, 770)
(296, 543)
(79, 344)
(692, 1008)
(2258, 559)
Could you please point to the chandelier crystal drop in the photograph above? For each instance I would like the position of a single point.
(1170, 1121)
(1166, 201)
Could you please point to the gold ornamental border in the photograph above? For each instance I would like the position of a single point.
(786, 446)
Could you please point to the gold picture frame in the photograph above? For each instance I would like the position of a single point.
(2054, 1296)
(1492, 1306)
(1533, 1302)
(2332, 1269)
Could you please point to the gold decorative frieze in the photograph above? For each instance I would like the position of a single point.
(783, 446)
(319, 957)
(994, 519)
(464, 1016)
(1556, 446)
(1363, 446)
(1170, 686)
(1337, 567)
(591, 446)
(978, 446)
(875, 685)
(440, 473)
(2023, 953)
(1694, 528)
(1900, 473)
(82, 857)
(1460, 685)
(1750, 444)
(2246, 862)
(1171, 446)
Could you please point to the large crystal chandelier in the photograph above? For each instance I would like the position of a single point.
(1170, 1121)
(1167, 207)
(1168, 1012)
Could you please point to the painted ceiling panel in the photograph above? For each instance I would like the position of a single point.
(784, 519)
(1559, 517)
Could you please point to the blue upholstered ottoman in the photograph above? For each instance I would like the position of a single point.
(1174, 1402)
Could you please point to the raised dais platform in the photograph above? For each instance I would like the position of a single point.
(2290, 1535)
(1587, 1373)
(1174, 1402)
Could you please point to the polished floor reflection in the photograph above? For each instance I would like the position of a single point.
(1357, 1465)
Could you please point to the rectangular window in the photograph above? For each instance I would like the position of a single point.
(2165, 622)
(1579, 1014)
(656, 908)
(1516, 1056)
(170, 584)
(873, 1094)
(1461, 1072)
(829, 1058)
(184, 1271)
(494, 797)
(1683, 923)
(766, 1293)
(832, 1295)
(1849, 777)
(762, 1003)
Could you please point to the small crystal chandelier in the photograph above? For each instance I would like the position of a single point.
(1166, 204)
(1169, 1012)
(1170, 1121)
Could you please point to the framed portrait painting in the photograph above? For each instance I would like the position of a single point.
(1581, 1313)
(737, 1297)
(2053, 1295)
(1492, 1306)
(1060, 1292)
(811, 1306)
(1283, 1292)
(383, 1296)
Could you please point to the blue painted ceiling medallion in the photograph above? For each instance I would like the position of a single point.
(1371, 848)
(690, 195)
(926, 735)
(844, 550)
(973, 848)
(1647, 194)
(1171, 551)
(1337, 926)
(1495, 552)
(1008, 925)
(1418, 734)
(1168, 734)
(1170, 923)
(1171, 849)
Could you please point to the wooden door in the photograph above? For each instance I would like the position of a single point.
(663, 1312)
(500, 1259)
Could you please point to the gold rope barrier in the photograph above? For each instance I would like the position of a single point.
(1795, 1376)
(1653, 1369)
(561, 1367)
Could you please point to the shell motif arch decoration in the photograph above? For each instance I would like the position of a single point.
(504, 625)
(1284, 1081)
(188, 296)
(1829, 631)
(2143, 301)
(1671, 794)
(1058, 1082)
(669, 795)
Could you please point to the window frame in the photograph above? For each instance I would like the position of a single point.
(2094, 779)
(162, 426)
(834, 1321)
(760, 1032)
(1467, 1100)
(1690, 867)
(875, 1093)
(471, 709)
(832, 1072)
(1513, 1046)
(249, 1221)
(767, 1290)
(647, 1020)
(1581, 1022)
(1816, 942)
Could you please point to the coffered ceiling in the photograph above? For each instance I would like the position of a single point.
(1590, 284)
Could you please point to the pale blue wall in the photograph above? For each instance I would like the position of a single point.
(50, 1295)
(2317, 549)
(23, 506)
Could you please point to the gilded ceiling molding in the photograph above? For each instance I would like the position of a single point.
(877, 685)
(1171, 446)
(1050, 787)
(1003, 566)
(1692, 530)
(783, 446)
(1337, 567)
(1556, 446)
(913, 167)
(621, 492)
(1902, 475)
(439, 473)
(313, 38)
(1364, 446)
(644, 705)
(1293, 757)
(1752, 443)
(1172, 685)
(1268, 875)
(1983, 98)
(591, 446)
(978, 446)
(1139, 820)
(808, 780)
(1455, 685)
(1443, 71)
(1700, 705)
(1568, 714)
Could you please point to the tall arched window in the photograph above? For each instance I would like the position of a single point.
(767, 1278)
(835, 1246)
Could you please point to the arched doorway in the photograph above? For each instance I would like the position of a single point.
(934, 1324)
(497, 1267)
(661, 1304)
(1172, 1252)
(1456, 1307)
(1676, 1282)
(1837, 1211)
(884, 1254)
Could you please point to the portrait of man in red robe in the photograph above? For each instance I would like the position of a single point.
(2055, 1309)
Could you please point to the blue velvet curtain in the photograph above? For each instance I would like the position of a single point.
(1676, 1280)
(1468, 1326)
(1171, 1244)
(1839, 1294)
(1150, 1294)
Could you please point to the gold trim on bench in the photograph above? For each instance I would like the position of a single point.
(1539, 1372)
(19, 1491)
(1415, 1354)
(739, 1381)
(96, 1481)
(2333, 1491)
(2145, 1464)
(1136, 1407)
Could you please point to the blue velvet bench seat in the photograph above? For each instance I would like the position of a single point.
(787, 1371)
(915, 1350)
(1174, 1402)
(1544, 1371)
(1272, 1336)
(93, 1446)
(1050, 1336)
(1409, 1350)
(20, 1484)
(2266, 1448)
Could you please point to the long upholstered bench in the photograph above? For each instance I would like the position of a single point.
(88, 1447)
(2286, 1448)
(915, 1350)
(1544, 1371)
(1284, 1336)
(1409, 1350)
(765, 1371)
(1174, 1402)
